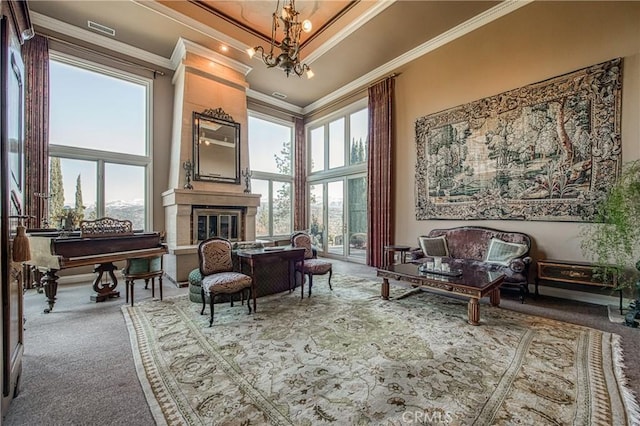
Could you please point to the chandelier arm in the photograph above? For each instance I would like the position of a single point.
(289, 58)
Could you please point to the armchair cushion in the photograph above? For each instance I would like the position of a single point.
(226, 282)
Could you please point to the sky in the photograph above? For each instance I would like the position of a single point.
(92, 110)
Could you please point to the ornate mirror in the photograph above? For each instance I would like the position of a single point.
(216, 147)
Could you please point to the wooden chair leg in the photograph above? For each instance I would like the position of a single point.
(160, 284)
(204, 304)
(131, 287)
(127, 291)
(211, 304)
(248, 298)
(146, 284)
(153, 286)
(330, 272)
(302, 278)
(310, 283)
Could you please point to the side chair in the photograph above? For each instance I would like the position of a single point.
(312, 265)
(218, 276)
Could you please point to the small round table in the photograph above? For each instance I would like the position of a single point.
(390, 252)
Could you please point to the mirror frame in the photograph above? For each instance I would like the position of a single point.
(219, 117)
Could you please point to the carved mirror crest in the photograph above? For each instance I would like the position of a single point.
(216, 147)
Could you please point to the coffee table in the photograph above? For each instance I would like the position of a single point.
(472, 282)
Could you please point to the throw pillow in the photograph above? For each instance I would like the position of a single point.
(434, 246)
(501, 252)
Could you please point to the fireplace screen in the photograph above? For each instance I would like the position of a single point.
(216, 223)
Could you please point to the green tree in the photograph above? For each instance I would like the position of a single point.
(357, 192)
(56, 192)
(79, 207)
(282, 201)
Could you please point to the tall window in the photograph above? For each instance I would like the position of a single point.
(337, 182)
(100, 161)
(271, 158)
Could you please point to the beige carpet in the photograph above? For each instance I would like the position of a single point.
(348, 358)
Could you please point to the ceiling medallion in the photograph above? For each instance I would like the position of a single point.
(289, 57)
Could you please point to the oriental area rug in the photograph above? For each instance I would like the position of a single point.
(346, 357)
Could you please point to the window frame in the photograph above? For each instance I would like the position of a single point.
(348, 169)
(100, 157)
(271, 177)
(343, 173)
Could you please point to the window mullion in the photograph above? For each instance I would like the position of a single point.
(100, 196)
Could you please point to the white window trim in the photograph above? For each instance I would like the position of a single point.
(101, 157)
(271, 177)
(347, 169)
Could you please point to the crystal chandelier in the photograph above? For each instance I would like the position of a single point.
(289, 57)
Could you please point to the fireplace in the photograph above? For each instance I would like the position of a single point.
(193, 215)
(217, 222)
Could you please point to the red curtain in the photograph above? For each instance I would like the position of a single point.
(35, 53)
(300, 175)
(379, 170)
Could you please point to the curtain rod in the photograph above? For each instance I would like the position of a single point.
(105, 55)
(392, 75)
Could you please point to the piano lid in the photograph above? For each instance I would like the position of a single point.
(44, 246)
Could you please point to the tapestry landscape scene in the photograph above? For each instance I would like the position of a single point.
(547, 151)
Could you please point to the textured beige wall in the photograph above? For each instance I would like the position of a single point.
(534, 43)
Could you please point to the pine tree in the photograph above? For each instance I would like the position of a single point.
(79, 207)
(56, 192)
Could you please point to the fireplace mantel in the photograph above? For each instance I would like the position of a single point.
(198, 197)
(179, 205)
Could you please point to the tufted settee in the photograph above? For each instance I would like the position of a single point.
(485, 248)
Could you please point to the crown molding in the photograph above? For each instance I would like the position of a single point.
(259, 96)
(193, 24)
(348, 29)
(98, 40)
(183, 46)
(454, 33)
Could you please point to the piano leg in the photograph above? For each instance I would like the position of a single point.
(49, 281)
(106, 290)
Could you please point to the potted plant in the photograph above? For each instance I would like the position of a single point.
(613, 241)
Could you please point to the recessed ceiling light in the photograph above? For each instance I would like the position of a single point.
(224, 48)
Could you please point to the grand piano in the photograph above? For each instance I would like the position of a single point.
(99, 243)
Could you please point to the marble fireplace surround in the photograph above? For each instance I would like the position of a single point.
(178, 205)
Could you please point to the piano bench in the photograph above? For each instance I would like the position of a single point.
(143, 269)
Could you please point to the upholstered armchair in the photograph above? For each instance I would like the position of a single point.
(312, 265)
(218, 276)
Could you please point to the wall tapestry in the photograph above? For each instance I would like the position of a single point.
(547, 151)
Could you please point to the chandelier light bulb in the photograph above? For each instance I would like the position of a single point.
(310, 73)
(251, 51)
(306, 25)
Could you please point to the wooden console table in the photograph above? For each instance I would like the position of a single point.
(572, 273)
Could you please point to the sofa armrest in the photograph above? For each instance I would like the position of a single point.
(520, 264)
(416, 253)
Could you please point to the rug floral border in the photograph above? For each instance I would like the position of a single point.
(546, 151)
